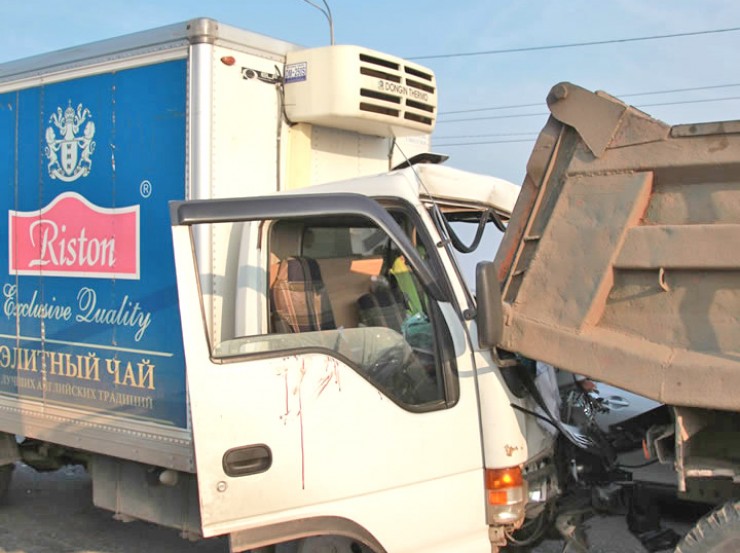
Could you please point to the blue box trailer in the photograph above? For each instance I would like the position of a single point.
(94, 142)
(90, 344)
(90, 318)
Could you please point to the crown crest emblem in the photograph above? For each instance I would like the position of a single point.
(69, 155)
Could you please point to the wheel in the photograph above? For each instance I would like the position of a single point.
(331, 544)
(6, 473)
(323, 544)
(717, 532)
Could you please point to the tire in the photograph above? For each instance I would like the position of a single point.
(331, 544)
(717, 532)
(323, 544)
(6, 473)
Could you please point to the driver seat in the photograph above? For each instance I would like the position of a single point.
(300, 301)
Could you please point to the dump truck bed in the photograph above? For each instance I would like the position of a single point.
(622, 260)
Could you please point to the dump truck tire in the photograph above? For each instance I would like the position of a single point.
(717, 532)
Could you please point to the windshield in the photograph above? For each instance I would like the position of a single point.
(465, 225)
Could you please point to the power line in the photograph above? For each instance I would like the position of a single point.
(574, 44)
(673, 90)
(690, 102)
(486, 142)
(513, 106)
(516, 115)
(447, 137)
(512, 116)
(532, 139)
(627, 95)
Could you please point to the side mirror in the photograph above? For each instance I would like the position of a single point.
(490, 314)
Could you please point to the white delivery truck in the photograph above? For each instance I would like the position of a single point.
(237, 294)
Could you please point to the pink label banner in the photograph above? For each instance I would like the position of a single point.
(72, 237)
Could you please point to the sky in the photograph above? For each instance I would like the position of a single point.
(495, 142)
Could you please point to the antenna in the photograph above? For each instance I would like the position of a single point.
(436, 211)
(327, 14)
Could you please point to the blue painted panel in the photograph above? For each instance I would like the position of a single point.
(89, 299)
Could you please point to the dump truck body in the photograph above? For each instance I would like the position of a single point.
(623, 262)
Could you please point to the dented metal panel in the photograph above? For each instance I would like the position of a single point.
(622, 261)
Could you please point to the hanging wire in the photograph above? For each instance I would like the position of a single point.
(574, 44)
(618, 95)
(327, 13)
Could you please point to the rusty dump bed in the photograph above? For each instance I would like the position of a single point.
(622, 260)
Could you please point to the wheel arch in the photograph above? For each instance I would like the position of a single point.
(245, 540)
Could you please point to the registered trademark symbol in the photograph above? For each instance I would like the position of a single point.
(145, 188)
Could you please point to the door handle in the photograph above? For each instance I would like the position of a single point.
(616, 402)
(251, 459)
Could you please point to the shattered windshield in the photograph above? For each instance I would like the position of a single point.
(473, 241)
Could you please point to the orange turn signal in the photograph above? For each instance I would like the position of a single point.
(497, 479)
(500, 483)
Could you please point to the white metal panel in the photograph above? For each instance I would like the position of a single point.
(243, 119)
(371, 92)
(437, 181)
(199, 162)
(149, 44)
(407, 147)
(450, 184)
(136, 440)
(333, 438)
(250, 307)
(199, 131)
(245, 114)
(338, 155)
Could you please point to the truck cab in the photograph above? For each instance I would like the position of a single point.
(350, 348)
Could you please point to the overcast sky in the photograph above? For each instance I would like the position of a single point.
(411, 28)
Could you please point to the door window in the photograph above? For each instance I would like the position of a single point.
(338, 285)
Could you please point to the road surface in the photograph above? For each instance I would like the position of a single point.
(53, 513)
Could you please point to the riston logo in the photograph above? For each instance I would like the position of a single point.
(74, 238)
